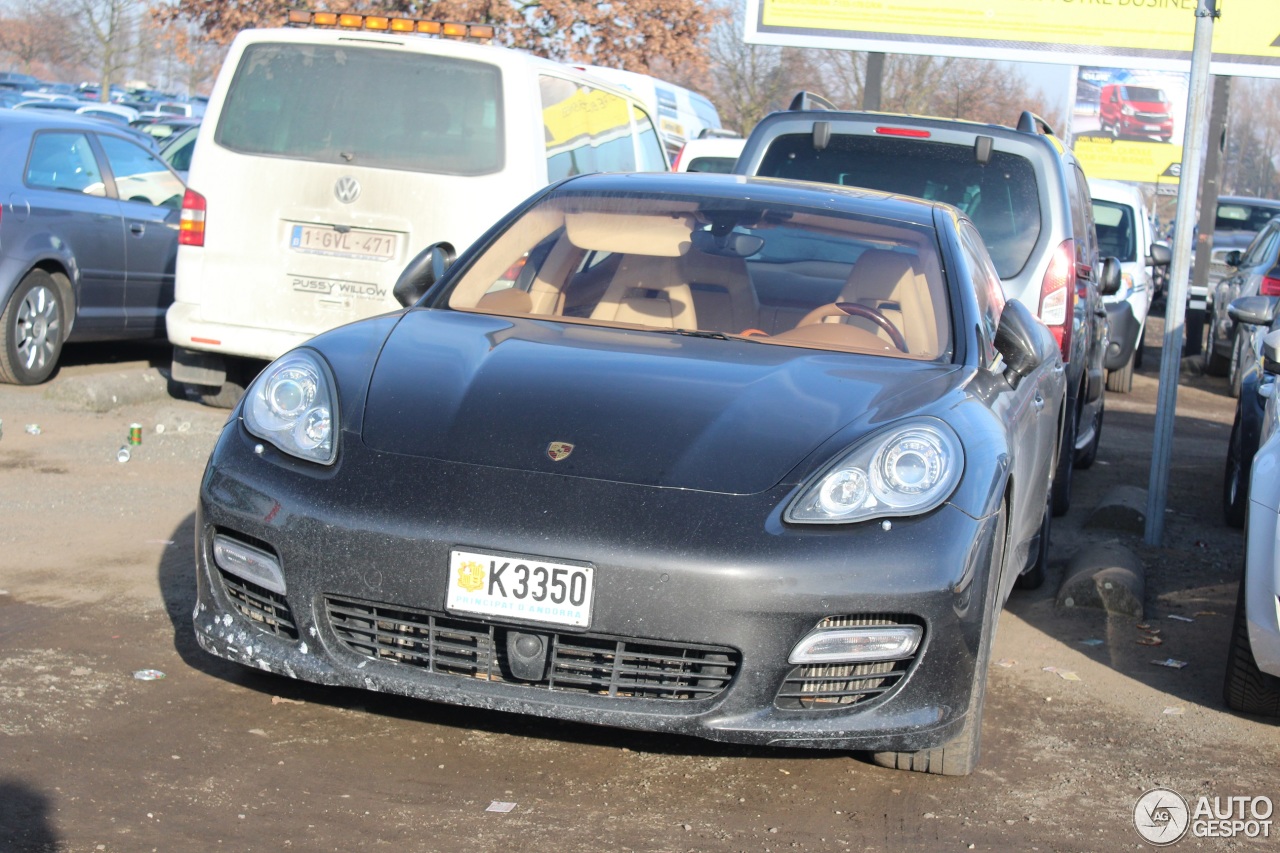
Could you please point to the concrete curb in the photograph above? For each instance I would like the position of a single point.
(1106, 576)
(103, 392)
(1123, 508)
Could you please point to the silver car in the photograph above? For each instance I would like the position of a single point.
(1233, 347)
(1253, 661)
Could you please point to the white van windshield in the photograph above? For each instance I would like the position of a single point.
(365, 106)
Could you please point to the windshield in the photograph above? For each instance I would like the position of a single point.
(718, 267)
(365, 106)
(1001, 197)
(1144, 94)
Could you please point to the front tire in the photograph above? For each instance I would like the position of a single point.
(1235, 375)
(1214, 364)
(1066, 465)
(1085, 458)
(1034, 577)
(31, 330)
(1120, 380)
(1235, 478)
(1246, 688)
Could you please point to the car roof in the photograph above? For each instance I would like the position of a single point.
(1249, 200)
(830, 197)
(36, 119)
(1107, 190)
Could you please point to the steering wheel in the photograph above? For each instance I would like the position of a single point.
(853, 309)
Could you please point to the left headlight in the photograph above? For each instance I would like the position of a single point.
(908, 469)
(293, 405)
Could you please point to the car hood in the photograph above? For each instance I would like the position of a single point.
(638, 407)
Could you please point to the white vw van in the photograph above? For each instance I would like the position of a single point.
(331, 155)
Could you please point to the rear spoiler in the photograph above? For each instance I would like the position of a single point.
(810, 101)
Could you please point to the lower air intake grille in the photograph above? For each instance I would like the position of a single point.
(268, 610)
(581, 663)
(827, 686)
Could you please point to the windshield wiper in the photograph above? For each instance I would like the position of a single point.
(697, 333)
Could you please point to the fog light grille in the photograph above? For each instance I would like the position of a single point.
(268, 610)
(814, 687)
(597, 664)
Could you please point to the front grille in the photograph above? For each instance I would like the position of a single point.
(826, 686)
(268, 610)
(581, 663)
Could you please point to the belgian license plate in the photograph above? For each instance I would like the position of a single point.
(351, 243)
(524, 588)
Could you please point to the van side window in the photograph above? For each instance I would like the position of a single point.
(367, 107)
(587, 129)
(652, 157)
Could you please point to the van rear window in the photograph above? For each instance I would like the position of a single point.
(365, 106)
(1001, 197)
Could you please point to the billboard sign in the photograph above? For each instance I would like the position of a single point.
(1149, 34)
(1127, 125)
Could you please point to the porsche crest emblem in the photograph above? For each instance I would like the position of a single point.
(559, 450)
(471, 576)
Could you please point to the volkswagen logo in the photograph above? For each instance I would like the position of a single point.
(347, 189)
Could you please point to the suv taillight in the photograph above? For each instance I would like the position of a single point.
(1058, 295)
(1270, 283)
(191, 225)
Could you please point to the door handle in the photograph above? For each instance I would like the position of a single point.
(137, 228)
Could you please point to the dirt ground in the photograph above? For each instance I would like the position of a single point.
(96, 585)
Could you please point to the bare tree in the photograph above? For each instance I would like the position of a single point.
(636, 35)
(108, 36)
(34, 35)
(748, 81)
(1253, 139)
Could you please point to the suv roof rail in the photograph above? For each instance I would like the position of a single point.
(1029, 122)
(718, 133)
(810, 101)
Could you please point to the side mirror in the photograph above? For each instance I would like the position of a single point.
(1109, 281)
(423, 272)
(1023, 341)
(1233, 257)
(1271, 353)
(1254, 310)
(1160, 255)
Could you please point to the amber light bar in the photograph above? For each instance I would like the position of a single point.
(383, 23)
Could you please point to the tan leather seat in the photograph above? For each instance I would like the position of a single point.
(888, 282)
(723, 294)
(648, 291)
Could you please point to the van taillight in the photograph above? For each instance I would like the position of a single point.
(191, 225)
(675, 164)
(1270, 283)
(1058, 295)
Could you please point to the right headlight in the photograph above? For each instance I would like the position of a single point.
(293, 405)
(908, 469)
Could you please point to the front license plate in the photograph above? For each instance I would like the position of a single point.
(528, 589)
(352, 243)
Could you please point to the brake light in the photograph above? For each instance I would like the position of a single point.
(1058, 295)
(675, 164)
(191, 223)
(912, 132)
(1270, 284)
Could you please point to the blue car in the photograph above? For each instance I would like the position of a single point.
(88, 239)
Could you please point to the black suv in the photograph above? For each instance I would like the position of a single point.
(1023, 189)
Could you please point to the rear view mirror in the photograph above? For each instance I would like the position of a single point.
(731, 245)
(1023, 341)
(1254, 310)
(1271, 352)
(1159, 256)
(423, 272)
(1109, 281)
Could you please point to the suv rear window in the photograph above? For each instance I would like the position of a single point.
(1001, 198)
(365, 107)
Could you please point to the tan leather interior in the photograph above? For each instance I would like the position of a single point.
(506, 301)
(723, 295)
(648, 291)
(888, 282)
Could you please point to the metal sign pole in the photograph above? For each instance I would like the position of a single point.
(1193, 149)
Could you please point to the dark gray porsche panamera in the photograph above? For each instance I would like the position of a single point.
(749, 460)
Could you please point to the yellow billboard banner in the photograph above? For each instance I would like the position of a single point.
(1139, 162)
(1135, 33)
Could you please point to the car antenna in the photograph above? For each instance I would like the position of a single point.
(1029, 122)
